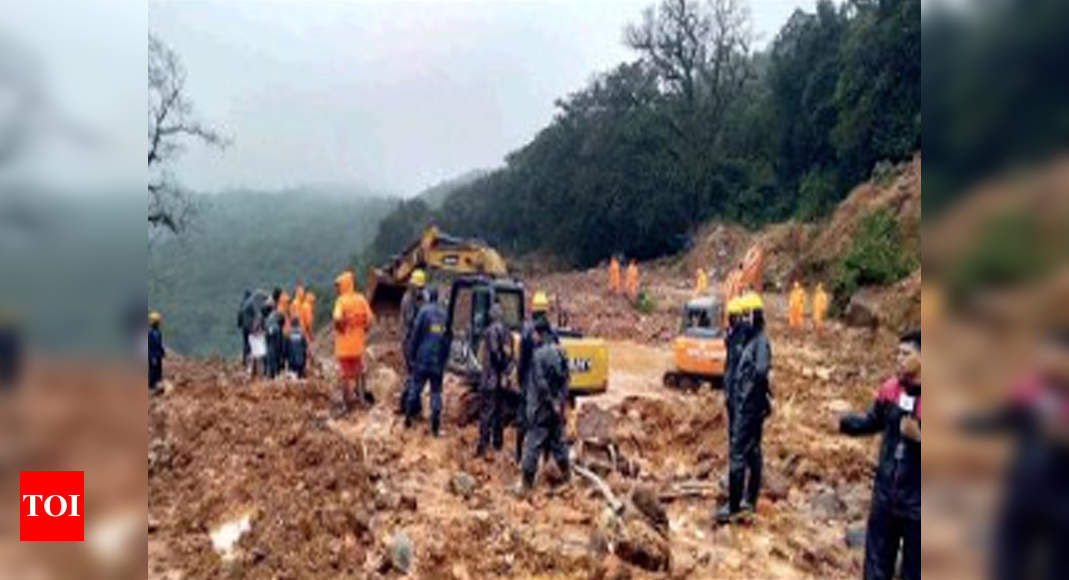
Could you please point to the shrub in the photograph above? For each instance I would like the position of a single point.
(644, 302)
(876, 257)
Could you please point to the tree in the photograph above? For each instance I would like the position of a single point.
(170, 123)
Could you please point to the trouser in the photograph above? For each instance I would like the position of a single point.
(271, 361)
(520, 421)
(1032, 538)
(491, 424)
(155, 373)
(298, 369)
(244, 347)
(886, 531)
(415, 393)
(544, 438)
(745, 459)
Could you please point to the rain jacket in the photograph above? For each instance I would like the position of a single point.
(352, 317)
(898, 472)
(549, 384)
(308, 313)
(820, 305)
(410, 305)
(427, 346)
(283, 308)
(750, 384)
(614, 274)
(297, 304)
(527, 349)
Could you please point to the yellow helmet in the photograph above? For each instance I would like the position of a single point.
(735, 306)
(752, 301)
(540, 302)
(153, 317)
(419, 278)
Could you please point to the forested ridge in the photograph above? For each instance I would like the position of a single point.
(699, 126)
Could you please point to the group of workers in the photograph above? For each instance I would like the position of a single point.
(630, 287)
(796, 301)
(540, 366)
(276, 331)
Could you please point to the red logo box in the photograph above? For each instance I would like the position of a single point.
(51, 506)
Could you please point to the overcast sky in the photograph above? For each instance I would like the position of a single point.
(393, 95)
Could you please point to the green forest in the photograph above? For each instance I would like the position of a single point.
(699, 126)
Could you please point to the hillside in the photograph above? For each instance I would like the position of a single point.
(246, 239)
(435, 195)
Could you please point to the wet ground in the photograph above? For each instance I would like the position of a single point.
(331, 497)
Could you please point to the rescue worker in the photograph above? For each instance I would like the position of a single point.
(273, 325)
(631, 282)
(734, 340)
(546, 405)
(539, 311)
(751, 401)
(428, 349)
(156, 353)
(614, 275)
(795, 305)
(820, 306)
(308, 312)
(497, 358)
(282, 306)
(297, 350)
(701, 282)
(297, 304)
(244, 328)
(352, 317)
(895, 514)
(410, 306)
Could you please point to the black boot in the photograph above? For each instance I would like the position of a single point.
(434, 426)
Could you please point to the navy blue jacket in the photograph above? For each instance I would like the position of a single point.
(427, 347)
(155, 345)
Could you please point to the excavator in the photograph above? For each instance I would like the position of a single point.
(470, 299)
(698, 354)
(434, 251)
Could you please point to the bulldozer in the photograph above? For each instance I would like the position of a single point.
(470, 299)
(434, 251)
(698, 352)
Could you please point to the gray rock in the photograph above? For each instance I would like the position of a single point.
(401, 552)
(827, 505)
(855, 537)
(462, 484)
(860, 313)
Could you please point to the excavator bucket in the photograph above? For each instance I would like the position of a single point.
(384, 294)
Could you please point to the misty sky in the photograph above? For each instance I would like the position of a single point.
(393, 95)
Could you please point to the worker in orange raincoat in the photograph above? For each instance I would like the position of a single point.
(352, 317)
(297, 303)
(308, 314)
(631, 281)
(701, 282)
(795, 305)
(614, 275)
(820, 306)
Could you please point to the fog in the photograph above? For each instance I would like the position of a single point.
(393, 96)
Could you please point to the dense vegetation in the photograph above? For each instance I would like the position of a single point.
(699, 126)
(254, 240)
(877, 256)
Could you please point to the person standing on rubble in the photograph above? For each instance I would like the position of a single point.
(734, 340)
(701, 282)
(156, 352)
(243, 327)
(751, 400)
(428, 349)
(631, 281)
(496, 362)
(410, 305)
(820, 306)
(614, 275)
(545, 402)
(895, 514)
(539, 311)
(352, 317)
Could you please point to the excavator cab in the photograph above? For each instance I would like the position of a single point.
(698, 353)
(470, 300)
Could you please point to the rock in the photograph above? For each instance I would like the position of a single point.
(860, 313)
(704, 469)
(595, 423)
(401, 552)
(460, 572)
(855, 537)
(462, 484)
(640, 545)
(409, 502)
(839, 406)
(776, 486)
(823, 373)
(683, 563)
(827, 505)
(611, 568)
(645, 499)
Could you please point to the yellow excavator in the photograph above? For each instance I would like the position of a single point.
(698, 353)
(434, 251)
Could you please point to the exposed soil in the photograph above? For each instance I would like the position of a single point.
(326, 497)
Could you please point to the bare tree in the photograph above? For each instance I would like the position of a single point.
(700, 50)
(171, 122)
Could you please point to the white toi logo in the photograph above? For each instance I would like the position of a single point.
(49, 505)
